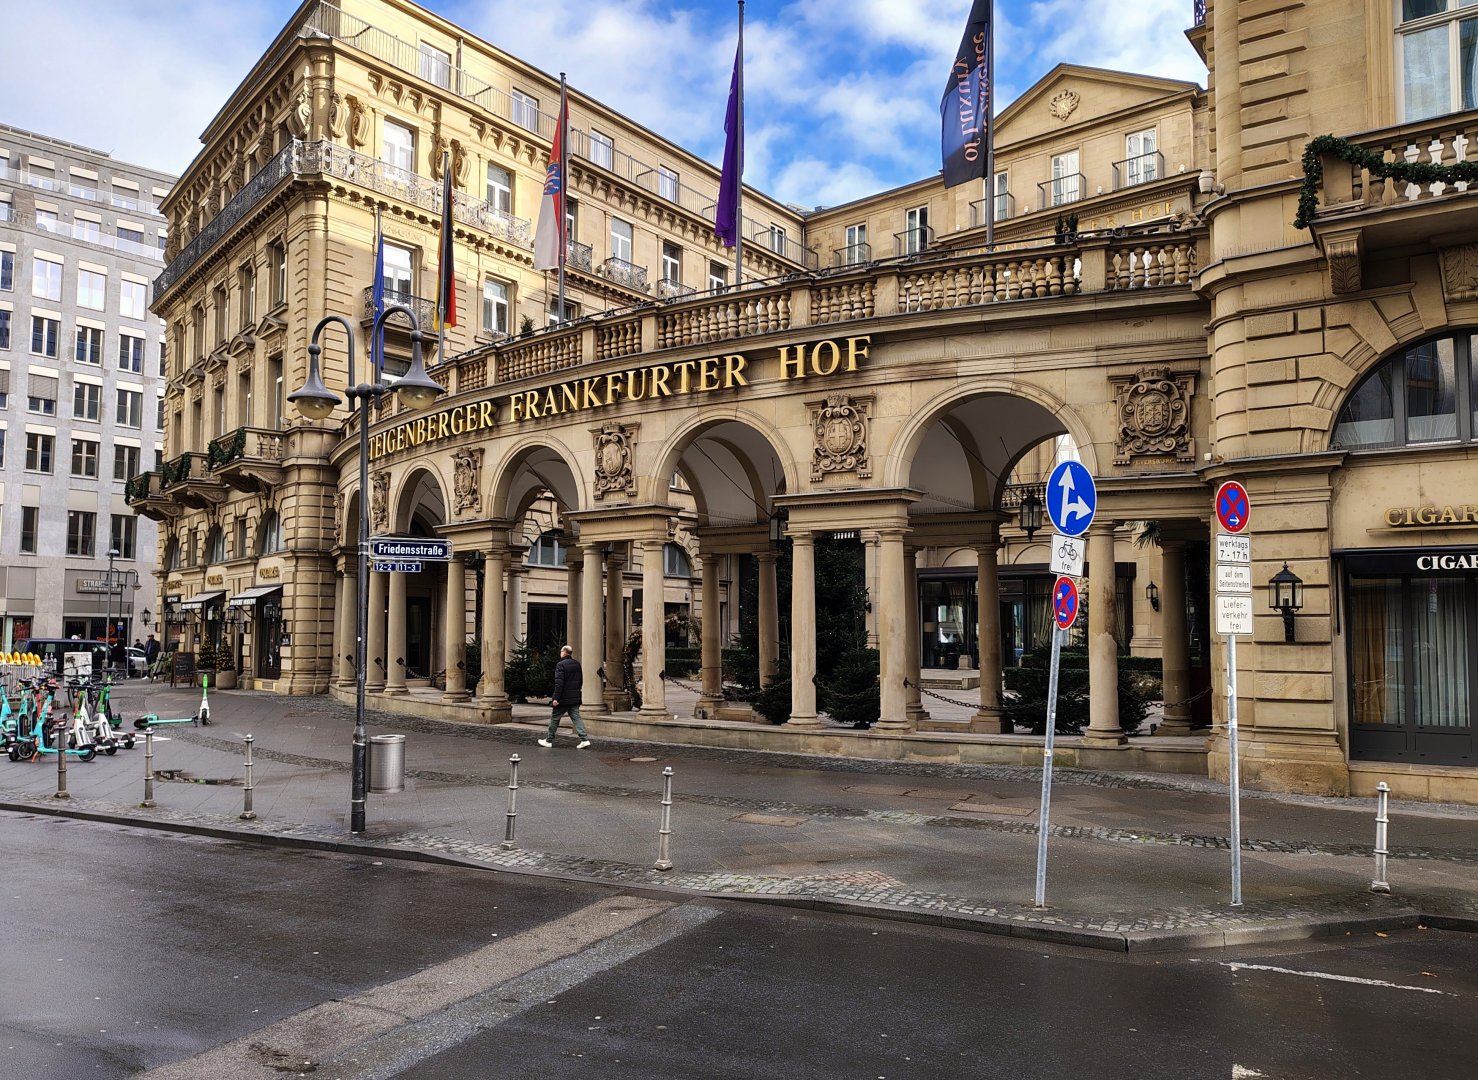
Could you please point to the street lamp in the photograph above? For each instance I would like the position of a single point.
(1152, 594)
(1030, 515)
(1286, 596)
(313, 399)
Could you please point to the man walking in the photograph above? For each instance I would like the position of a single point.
(567, 680)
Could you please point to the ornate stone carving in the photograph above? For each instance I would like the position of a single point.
(338, 115)
(379, 501)
(439, 146)
(1460, 272)
(338, 517)
(459, 162)
(613, 472)
(467, 480)
(299, 119)
(839, 425)
(359, 121)
(1154, 416)
(1343, 252)
(1064, 104)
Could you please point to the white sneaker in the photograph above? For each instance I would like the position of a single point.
(545, 742)
(582, 744)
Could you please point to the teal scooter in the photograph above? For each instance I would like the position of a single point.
(200, 717)
(78, 742)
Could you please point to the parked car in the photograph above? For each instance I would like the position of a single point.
(138, 667)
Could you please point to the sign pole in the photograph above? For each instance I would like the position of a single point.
(1043, 816)
(1234, 772)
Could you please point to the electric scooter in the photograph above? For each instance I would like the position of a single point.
(78, 741)
(200, 718)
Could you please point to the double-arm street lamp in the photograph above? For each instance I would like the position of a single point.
(416, 390)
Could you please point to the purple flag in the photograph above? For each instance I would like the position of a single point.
(726, 214)
(965, 107)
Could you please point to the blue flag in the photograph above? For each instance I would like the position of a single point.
(965, 109)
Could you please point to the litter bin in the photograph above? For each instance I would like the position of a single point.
(386, 764)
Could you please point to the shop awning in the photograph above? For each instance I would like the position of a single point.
(249, 597)
(200, 600)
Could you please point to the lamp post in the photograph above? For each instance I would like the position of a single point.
(108, 603)
(315, 401)
(1286, 596)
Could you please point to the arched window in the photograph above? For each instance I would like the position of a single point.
(215, 546)
(269, 534)
(548, 550)
(675, 562)
(1423, 394)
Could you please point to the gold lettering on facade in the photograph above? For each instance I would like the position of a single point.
(1401, 517)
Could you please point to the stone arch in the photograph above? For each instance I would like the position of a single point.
(734, 464)
(421, 488)
(529, 466)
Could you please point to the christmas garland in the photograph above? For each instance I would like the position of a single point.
(1374, 162)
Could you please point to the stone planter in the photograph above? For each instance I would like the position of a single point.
(224, 680)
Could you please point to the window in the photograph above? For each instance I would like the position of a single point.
(856, 250)
(89, 345)
(667, 183)
(621, 240)
(1066, 185)
(159, 418)
(270, 534)
(132, 299)
(83, 188)
(131, 353)
(238, 548)
(44, 335)
(277, 267)
(777, 239)
(2, 448)
(46, 279)
(5, 209)
(30, 521)
(130, 408)
(915, 230)
(399, 148)
(572, 312)
(1435, 51)
(41, 393)
(525, 111)
(1424, 394)
(221, 303)
(1141, 163)
(85, 458)
(397, 277)
(436, 65)
(500, 189)
(494, 307)
(675, 561)
(125, 462)
(548, 550)
(90, 232)
(246, 281)
(275, 381)
(672, 263)
(132, 240)
(602, 150)
(81, 525)
(1002, 197)
(4, 329)
(125, 197)
(124, 535)
(86, 401)
(38, 451)
(46, 220)
(718, 276)
(7, 271)
(215, 546)
(172, 554)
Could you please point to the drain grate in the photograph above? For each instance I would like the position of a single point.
(180, 776)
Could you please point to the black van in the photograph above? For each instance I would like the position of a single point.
(52, 651)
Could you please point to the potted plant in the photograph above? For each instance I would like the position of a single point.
(225, 669)
(205, 661)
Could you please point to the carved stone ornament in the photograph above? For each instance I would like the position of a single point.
(1460, 272)
(613, 471)
(439, 146)
(338, 517)
(467, 480)
(299, 118)
(379, 501)
(839, 425)
(459, 162)
(1343, 252)
(338, 115)
(1064, 104)
(1154, 417)
(359, 122)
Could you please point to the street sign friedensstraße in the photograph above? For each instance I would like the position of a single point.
(391, 566)
(1233, 578)
(428, 549)
(1233, 614)
(1233, 549)
(1067, 555)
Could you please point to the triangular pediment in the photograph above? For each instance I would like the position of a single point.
(270, 324)
(1072, 96)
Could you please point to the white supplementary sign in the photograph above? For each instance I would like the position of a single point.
(1067, 555)
(1233, 578)
(382, 566)
(1234, 615)
(1233, 549)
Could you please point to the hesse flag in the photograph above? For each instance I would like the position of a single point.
(965, 109)
(549, 235)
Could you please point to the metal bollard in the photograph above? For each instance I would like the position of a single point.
(148, 802)
(1382, 819)
(247, 814)
(512, 802)
(60, 740)
(663, 861)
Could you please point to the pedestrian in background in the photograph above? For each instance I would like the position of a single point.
(566, 698)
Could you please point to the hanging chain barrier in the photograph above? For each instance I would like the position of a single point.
(680, 684)
(941, 697)
(1187, 701)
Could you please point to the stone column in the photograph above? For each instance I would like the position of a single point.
(1174, 645)
(1103, 648)
(769, 617)
(916, 710)
(348, 639)
(653, 632)
(803, 632)
(870, 582)
(395, 637)
(514, 610)
(492, 689)
(374, 677)
(712, 646)
(574, 589)
(591, 632)
(989, 718)
(455, 660)
(892, 609)
(615, 691)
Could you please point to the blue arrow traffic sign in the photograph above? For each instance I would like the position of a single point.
(1072, 498)
(1064, 602)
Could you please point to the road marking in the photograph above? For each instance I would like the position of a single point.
(1241, 1073)
(1234, 966)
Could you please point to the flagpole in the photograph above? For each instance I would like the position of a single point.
(990, 127)
(739, 187)
(449, 279)
(377, 341)
(564, 180)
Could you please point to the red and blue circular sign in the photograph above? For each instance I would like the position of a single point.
(1233, 507)
(1065, 602)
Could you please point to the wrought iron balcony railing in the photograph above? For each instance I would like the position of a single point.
(624, 273)
(424, 308)
(852, 254)
(1061, 190)
(1139, 170)
(667, 288)
(580, 256)
(913, 241)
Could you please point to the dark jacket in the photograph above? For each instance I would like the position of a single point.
(567, 680)
(151, 649)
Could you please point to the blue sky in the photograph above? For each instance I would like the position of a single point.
(842, 96)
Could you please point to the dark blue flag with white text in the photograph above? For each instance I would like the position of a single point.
(965, 108)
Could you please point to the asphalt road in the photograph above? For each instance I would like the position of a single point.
(130, 953)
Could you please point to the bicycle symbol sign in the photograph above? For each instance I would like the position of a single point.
(1064, 602)
(1233, 507)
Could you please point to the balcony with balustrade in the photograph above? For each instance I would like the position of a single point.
(187, 481)
(145, 496)
(248, 459)
(625, 274)
(424, 308)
